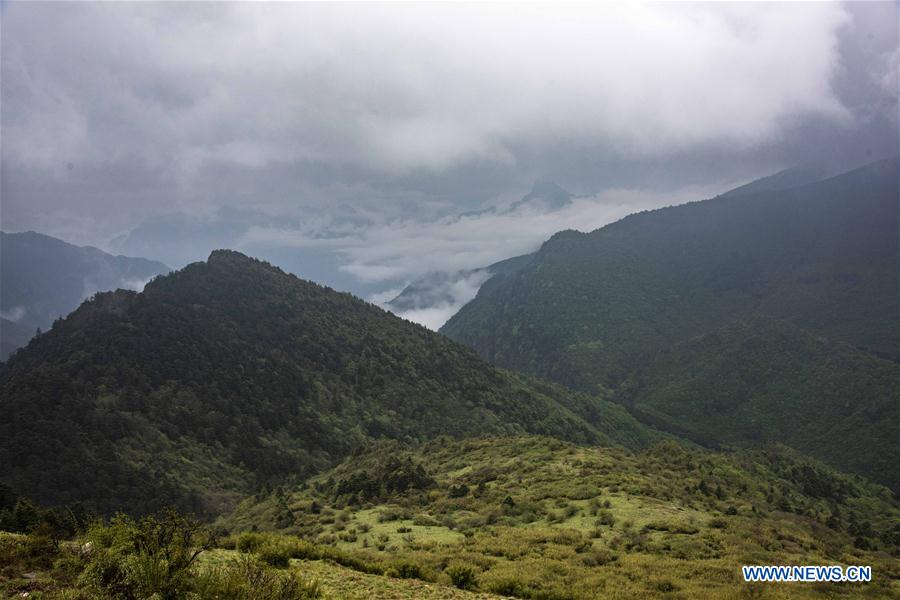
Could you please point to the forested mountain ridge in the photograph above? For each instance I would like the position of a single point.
(43, 278)
(592, 310)
(231, 372)
(763, 380)
(786, 179)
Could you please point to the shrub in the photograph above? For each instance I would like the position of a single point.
(462, 575)
(275, 554)
(393, 514)
(458, 491)
(426, 521)
(151, 557)
(598, 558)
(404, 570)
(666, 586)
(248, 579)
(604, 517)
(507, 586)
(249, 542)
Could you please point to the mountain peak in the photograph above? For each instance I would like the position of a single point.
(225, 259)
(225, 255)
(547, 189)
(547, 194)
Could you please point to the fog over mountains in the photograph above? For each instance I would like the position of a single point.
(343, 166)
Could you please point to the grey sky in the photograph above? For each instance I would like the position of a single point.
(342, 141)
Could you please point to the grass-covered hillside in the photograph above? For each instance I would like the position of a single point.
(534, 517)
(596, 311)
(525, 517)
(231, 373)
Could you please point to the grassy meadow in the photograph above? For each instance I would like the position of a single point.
(526, 517)
(533, 517)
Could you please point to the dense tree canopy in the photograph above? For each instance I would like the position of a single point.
(627, 302)
(230, 372)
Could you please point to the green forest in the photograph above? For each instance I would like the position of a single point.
(744, 319)
(230, 374)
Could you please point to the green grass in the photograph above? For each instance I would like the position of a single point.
(428, 534)
(339, 582)
(527, 517)
(589, 522)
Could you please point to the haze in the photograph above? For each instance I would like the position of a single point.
(364, 146)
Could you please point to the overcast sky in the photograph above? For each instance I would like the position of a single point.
(345, 141)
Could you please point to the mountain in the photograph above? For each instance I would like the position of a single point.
(788, 178)
(13, 335)
(612, 310)
(43, 278)
(545, 194)
(534, 517)
(230, 373)
(484, 518)
(437, 289)
(755, 380)
(434, 298)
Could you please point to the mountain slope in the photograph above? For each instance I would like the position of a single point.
(786, 179)
(546, 194)
(435, 297)
(231, 372)
(539, 518)
(43, 278)
(758, 379)
(445, 289)
(13, 335)
(591, 310)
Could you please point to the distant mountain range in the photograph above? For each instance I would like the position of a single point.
(766, 314)
(43, 278)
(230, 372)
(436, 296)
(546, 195)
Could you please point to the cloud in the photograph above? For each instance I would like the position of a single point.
(433, 317)
(15, 314)
(356, 124)
(135, 284)
(406, 249)
(438, 300)
(390, 87)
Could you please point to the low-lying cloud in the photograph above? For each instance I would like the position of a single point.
(406, 249)
(14, 314)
